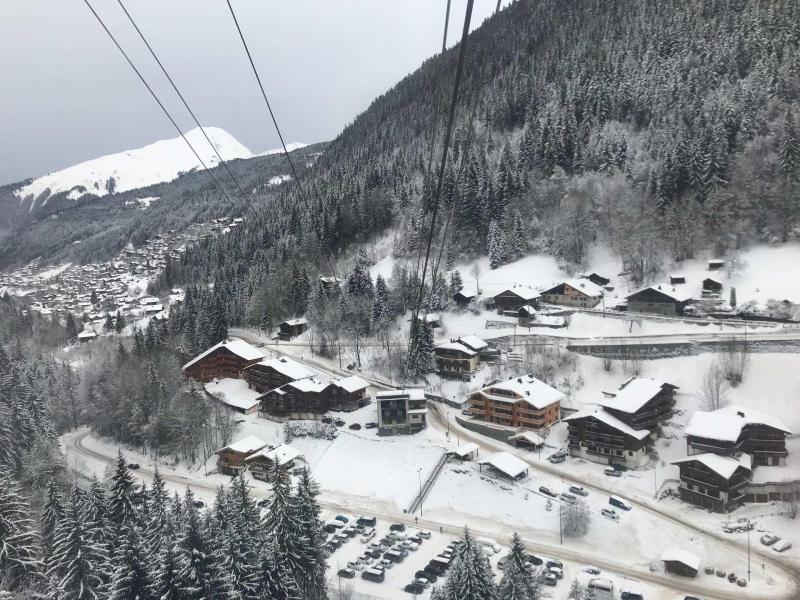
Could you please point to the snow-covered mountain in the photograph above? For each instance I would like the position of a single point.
(155, 163)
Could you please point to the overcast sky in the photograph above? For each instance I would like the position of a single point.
(68, 96)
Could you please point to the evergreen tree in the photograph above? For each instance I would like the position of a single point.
(284, 529)
(72, 328)
(519, 243)
(121, 509)
(496, 245)
(518, 582)
(308, 513)
(52, 511)
(471, 576)
(456, 283)
(380, 304)
(109, 324)
(131, 578)
(789, 149)
(166, 581)
(19, 544)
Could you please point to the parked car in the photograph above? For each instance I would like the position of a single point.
(556, 458)
(386, 563)
(355, 565)
(556, 571)
(414, 588)
(547, 491)
(612, 472)
(781, 546)
(424, 534)
(434, 570)
(578, 490)
(327, 420)
(631, 595)
(367, 535)
(342, 518)
(619, 503)
(355, 426)
(410, 546)
(371, 425)
(768, 539)
(397, 527)
(741, 582)
(346, 573)
(367, 521)
(554, 563)
(533, 560)
(592, 570)
(721, 572)
(339, 423)
(133, 466)
(376, 575)
(568, 498)
(550, 579)
(425, 575)
(415, 538)
(709, 570)
(609, 514)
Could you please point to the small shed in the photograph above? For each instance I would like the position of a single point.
(506, 464)
(464, 452)
(526, 312)
(716, 265)
(464, 297)
(676, 278)
(292, 328)
(680, 562)
(527, 438)
(597, 279)
(711, 285)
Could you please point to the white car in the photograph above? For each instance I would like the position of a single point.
(781, 546)
(424, 534)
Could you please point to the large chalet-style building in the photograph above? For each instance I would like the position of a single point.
(735, 429)
(520, 402)
(455, 360)
(580, 293)
(226, 359)
(597, 435)
(641, 402)
(348, 394)
(401, 411)
(230, 459)
(512, 299)
(268, 374)
(724, 447)
(660, 299)
(302, 399)
(260, 464)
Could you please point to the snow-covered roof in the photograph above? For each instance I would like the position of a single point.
(679, 295)
(282, 454)
(457, 347)
(473, 341)
(411, 394)
(524, 292)
(534, 391)
(726, 423)
(233, 392)
(633, 394)
(309, 384)
(85, 335)
(606, 417)
(528, 309)
(295, 322)
(464, 449)
(238, 347)
(245, 445)
(351, 384)
(288, 367)
(722, 465)
(529, 436)
(587, 287)
(681, 556)
(506, 463)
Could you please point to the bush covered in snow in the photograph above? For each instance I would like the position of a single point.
(314, 429)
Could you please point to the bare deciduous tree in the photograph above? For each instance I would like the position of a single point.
(791, 502)
(475, 271)
(575, 518)
(713, 388)
(734, 360)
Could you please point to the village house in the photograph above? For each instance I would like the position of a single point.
(455, 360)
(348, 394)
(226, 359)
(260, 464)
(580, 293)
(520, 402)
(401, 411)
(288, 330)
(714, 482)
(677, 278)
(302, 399)
(595, 434)
(661, 300)
(230, 459)
(486, 353)
(712, 285)
(268, 374)
(597, 279)
(512, 299)
(641, 402)
(464, 297)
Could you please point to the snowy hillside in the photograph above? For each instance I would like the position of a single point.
(155, 163)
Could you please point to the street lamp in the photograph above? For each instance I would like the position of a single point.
(748, 550)
(560, 528)
(419, 477)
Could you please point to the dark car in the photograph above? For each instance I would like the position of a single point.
(434, 570)
(414, 588)
(339, 423)
(264, 503)
(371, 425)
(397, 527)
(534, 560)
(425, 575)
(199, 504)
(355, 426)
(547, 491)
(347, 573)
(133, 466)
(327, 420)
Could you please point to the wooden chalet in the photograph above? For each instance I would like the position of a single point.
(580, 293)
(260, 464)
(465, 296)
(288, 330)
(641, 402)
(735, 429)
(661, 300)
(268, 374)
(711, 285)
(455, 360)
(677, 278)
(226, 359)
(714, 482)
(716, 265)
(348, 394)
(596, 435)
(520, 402)
(512, 299)
(230, 459)
(307, 398)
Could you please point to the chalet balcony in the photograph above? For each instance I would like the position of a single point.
(701, 482)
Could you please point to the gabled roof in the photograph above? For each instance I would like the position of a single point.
(533, 391)
(286, 366)
(528, 436)
(473, 341)
(309, 384)
(582, 285)
(524, 293)
(464, 449)
(666, 289)
(238, 347)
(282, 454)
(606, 417)
(295, 322)
(726, 423)
(351, 384)
(457, 347)
(681, 556)
(634, 394)
(725, 466)
(245, 445)
(506, 463)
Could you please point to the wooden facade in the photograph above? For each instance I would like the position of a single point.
(594, 439)
(218, 364)
(509, 409)
(289, 330)
(569, 294)
(651, 414)
(655, 301)
(704, 487)
(267, 375)
(345, 397)
(514, 299)
(455, 361)
(303, 399)
(767, 445)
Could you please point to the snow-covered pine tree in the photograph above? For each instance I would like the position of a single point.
(456, 283)
(20, 550)
(159, 523)
(518, 582)
(789, 149)
(121, 509)
(496, 245)
(166, 582)
(131, 577)
(52, 511)
(380, 305)
(313, 585)
(519, 241)
(193, 560)
(471, 576)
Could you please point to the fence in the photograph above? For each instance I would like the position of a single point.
(427, 484)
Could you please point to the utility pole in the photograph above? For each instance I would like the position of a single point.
(748, 550)
(419, 477)
(560, 528)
